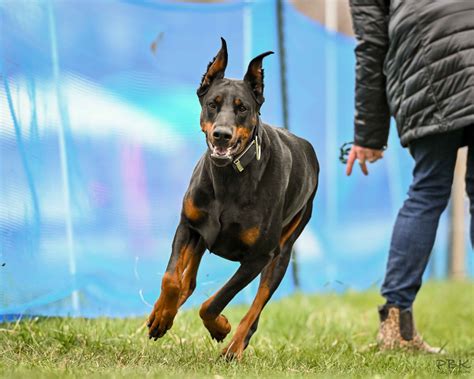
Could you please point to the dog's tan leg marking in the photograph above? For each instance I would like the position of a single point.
(166, 306)
(236, 346)
(218, 326)
(290, 229)
(176, 287)
(188, 281)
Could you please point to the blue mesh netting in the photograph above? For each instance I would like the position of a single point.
(99, 134)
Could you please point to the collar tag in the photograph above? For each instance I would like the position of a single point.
(238, 165)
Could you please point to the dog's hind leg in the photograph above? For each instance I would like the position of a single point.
(270, 279)
(178, 281)
(210, 312)
(273, 276)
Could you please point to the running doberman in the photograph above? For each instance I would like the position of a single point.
(249, 199)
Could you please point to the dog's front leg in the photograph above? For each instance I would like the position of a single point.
(178, 281)
(210, 312)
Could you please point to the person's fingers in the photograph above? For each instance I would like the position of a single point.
(369, 154)
(363, 155)
(373, 158)
(362, 158)
(376, 155)
(363, 167)
(350, 162)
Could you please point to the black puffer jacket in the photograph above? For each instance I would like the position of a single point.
(415, 61)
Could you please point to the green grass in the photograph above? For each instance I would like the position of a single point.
(300, 336)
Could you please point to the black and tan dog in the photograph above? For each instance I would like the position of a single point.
(249, 199)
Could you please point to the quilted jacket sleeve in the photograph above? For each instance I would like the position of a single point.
(372, 116)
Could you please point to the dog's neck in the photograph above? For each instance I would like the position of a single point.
(229, 182)
(251, 152)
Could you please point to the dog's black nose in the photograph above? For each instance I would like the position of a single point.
(221, 134)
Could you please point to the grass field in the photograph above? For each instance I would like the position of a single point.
(301, 336)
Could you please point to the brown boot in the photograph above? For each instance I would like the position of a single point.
(397, 331)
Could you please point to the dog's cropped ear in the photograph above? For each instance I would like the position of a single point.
(215, 70)
(254, 77)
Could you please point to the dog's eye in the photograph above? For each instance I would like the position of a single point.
(212, 105)
(242, 109)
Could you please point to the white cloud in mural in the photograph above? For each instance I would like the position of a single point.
(89, 109)
(308, 246)
(362, 239)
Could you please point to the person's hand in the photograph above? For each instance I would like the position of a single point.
(363, 155)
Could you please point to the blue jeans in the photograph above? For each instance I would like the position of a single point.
(415, 229)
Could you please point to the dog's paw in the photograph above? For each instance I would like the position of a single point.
(233, 351)
(160, 320)
(219, 327)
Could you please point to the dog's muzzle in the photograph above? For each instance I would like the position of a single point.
(222, 156)
(221, 153)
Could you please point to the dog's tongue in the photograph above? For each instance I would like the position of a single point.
(221, 150)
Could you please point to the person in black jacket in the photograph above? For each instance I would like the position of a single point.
(415, 62)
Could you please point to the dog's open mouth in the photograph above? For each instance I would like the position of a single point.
(224, 152)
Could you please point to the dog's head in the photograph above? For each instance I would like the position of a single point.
(230, 108)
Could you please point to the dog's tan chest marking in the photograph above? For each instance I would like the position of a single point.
(250, 236)
(191, 211)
